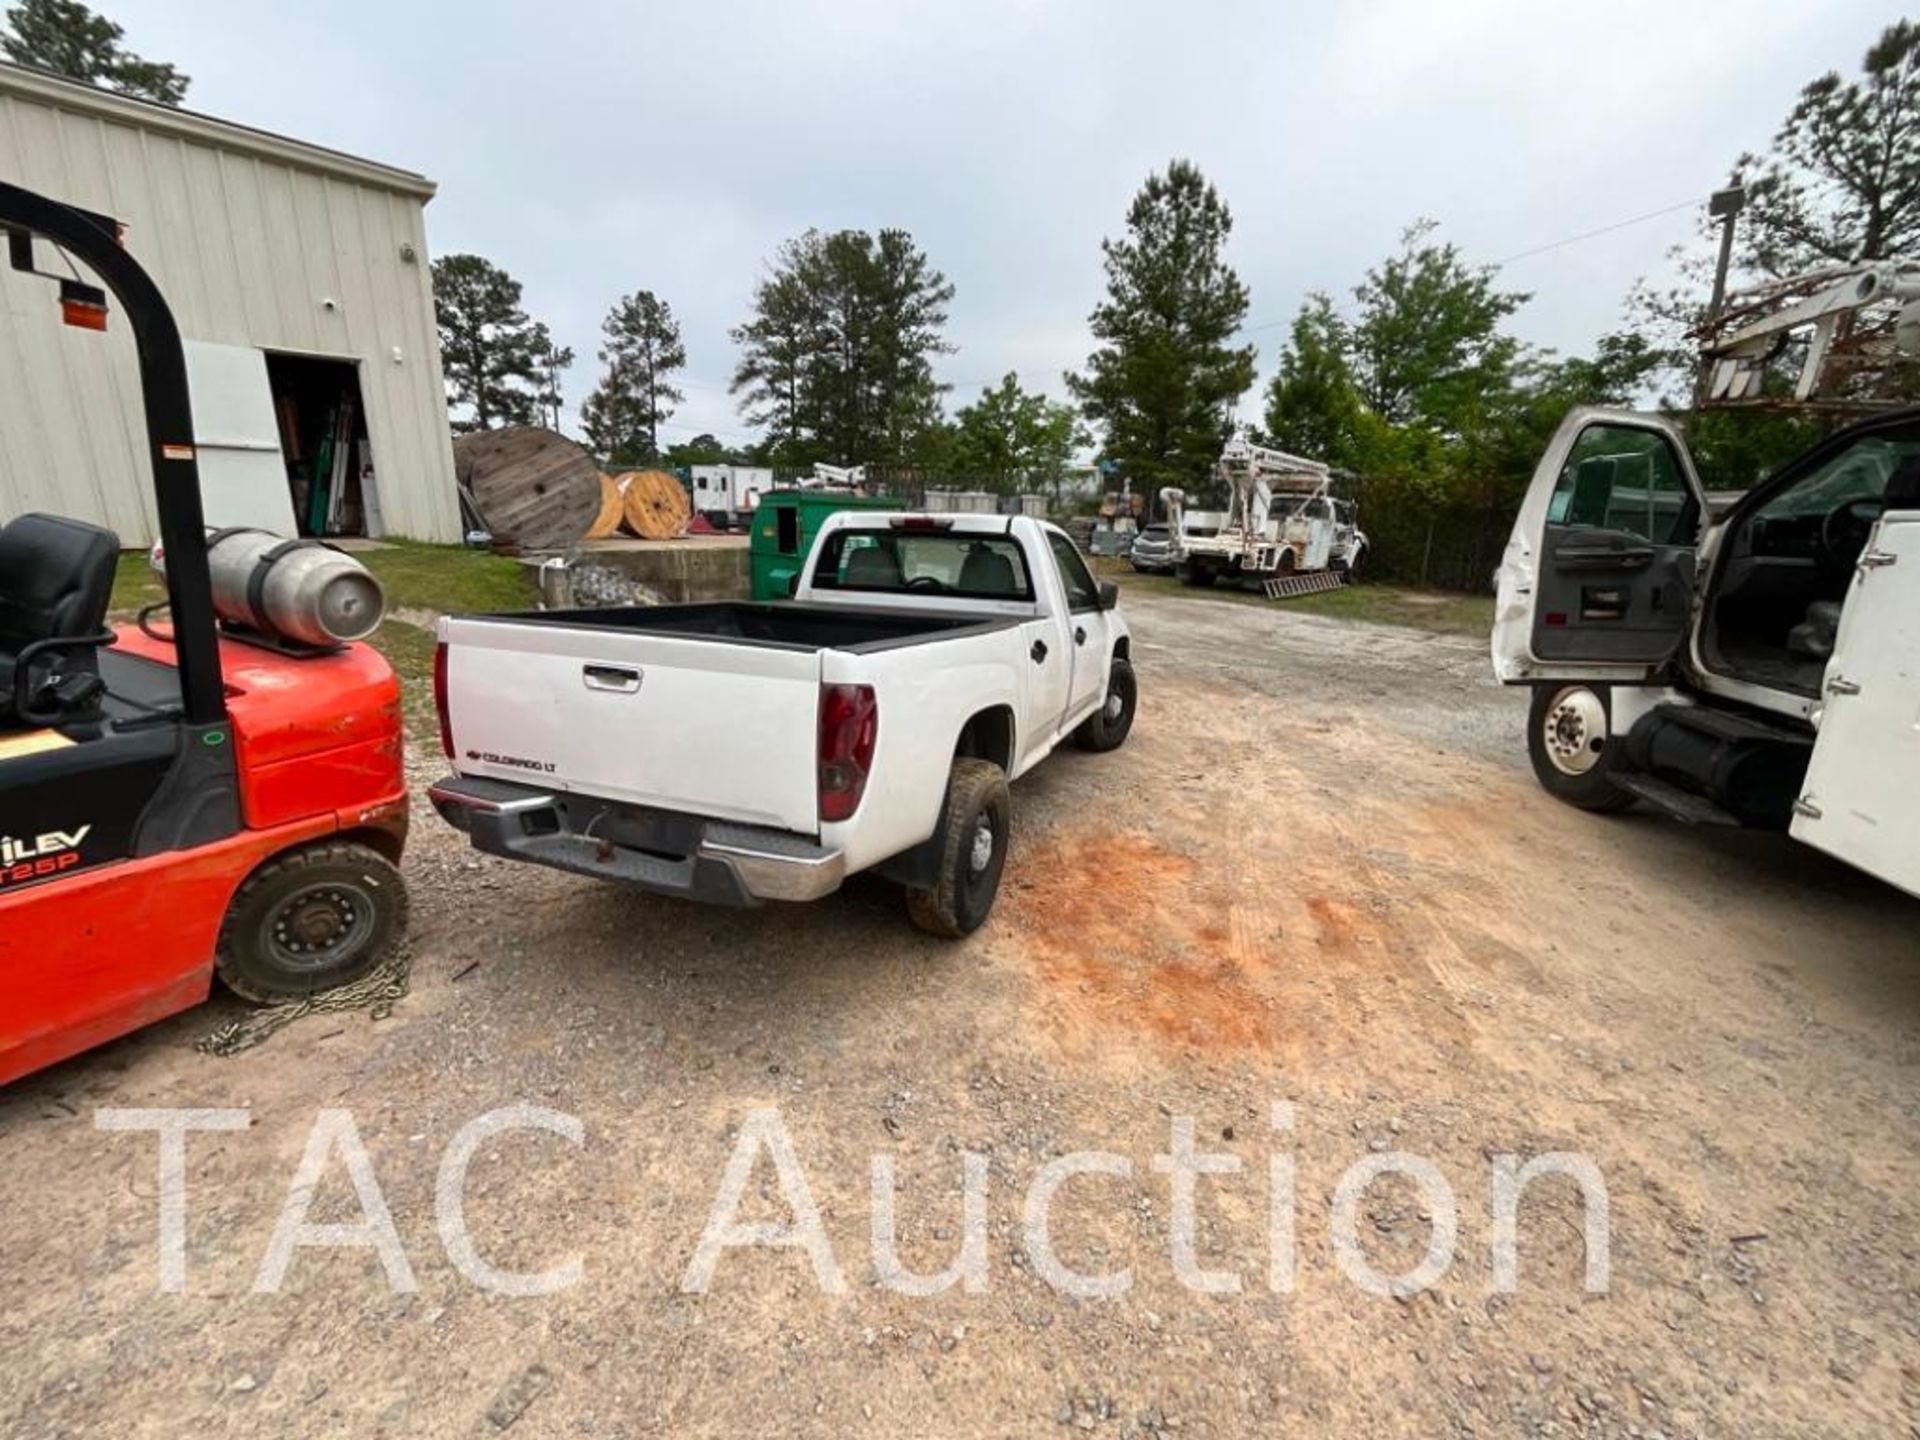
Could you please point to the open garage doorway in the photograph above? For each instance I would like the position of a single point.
(323, 439)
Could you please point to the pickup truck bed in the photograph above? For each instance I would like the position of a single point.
(861, 629)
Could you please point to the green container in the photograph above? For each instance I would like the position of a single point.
(785, 525)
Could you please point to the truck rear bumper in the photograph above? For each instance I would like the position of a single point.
(669, 853)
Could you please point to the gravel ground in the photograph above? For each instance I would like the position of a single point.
(1319, 874)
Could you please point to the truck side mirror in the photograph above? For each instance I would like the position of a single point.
(1109, 594)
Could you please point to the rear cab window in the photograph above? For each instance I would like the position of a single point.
(882, 559)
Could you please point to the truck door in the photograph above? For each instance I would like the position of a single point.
(1598, 577)
(1861, 802)
(1086, 628)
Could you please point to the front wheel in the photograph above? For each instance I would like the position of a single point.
(973, 852)
(311, 919)
(1107, 728)
(1198, 576)
(1574, 751)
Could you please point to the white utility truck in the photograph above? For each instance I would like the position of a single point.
(735, 752)
(1282, 520)
(1757, 667)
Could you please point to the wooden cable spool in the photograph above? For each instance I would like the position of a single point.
(535, 488)
(656, 505)
(613, 509)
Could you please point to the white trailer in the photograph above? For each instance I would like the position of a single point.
(730, 490)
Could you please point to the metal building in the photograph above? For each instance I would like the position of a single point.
(299, 278)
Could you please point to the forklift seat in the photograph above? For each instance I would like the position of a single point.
(56, 581)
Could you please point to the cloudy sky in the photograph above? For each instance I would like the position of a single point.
(595, 148)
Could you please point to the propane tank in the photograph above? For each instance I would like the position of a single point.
(296, 590)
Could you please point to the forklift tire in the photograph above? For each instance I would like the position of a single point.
(973, 852)
(1574, 753)
(309, 919)
(1106, 729)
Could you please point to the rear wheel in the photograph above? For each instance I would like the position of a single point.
(1574, 751)
(973, 852)
(316, 917)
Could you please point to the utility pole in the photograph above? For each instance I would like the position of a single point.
(1724, 206)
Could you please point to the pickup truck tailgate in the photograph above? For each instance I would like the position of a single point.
(709, 727)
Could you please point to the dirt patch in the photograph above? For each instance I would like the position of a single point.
(1126, 938)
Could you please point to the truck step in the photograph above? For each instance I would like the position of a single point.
(1683, 805)
(1285, 587)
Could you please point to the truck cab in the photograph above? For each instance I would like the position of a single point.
(1756, 667)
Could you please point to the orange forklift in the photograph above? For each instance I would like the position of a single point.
(197, 793)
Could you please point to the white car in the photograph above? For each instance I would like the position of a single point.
(738, 752)
(1756, 667)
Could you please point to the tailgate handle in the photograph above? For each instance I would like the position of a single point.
(620, 679)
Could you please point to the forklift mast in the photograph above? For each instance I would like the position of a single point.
(94, 241)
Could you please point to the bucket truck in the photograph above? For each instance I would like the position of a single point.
(1284, 529)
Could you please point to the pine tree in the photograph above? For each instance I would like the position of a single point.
(1842, 180)
(622, 417)
(489, 348)
(1163, 384)
(69, 39)
(837, 359)
(549, 360)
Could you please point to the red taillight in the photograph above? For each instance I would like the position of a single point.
(849, 725)
(440, 698)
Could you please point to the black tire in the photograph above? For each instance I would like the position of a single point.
(310, 919)
(1107, 728)
(1555, 760)
(962, 899)
(1198, 576)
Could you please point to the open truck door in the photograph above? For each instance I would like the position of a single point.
(1859, 802)
(1597, 580)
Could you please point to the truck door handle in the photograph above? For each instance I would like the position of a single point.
(620, 679)
(1079, 634)
(1603, 557)
(1039, 652)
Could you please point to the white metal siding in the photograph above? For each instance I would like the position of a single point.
(246, 239)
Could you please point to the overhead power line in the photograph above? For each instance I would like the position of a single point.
(1603, 230)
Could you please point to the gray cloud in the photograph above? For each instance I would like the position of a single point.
(597, 148)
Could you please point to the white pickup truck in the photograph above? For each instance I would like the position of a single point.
(735, 752)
